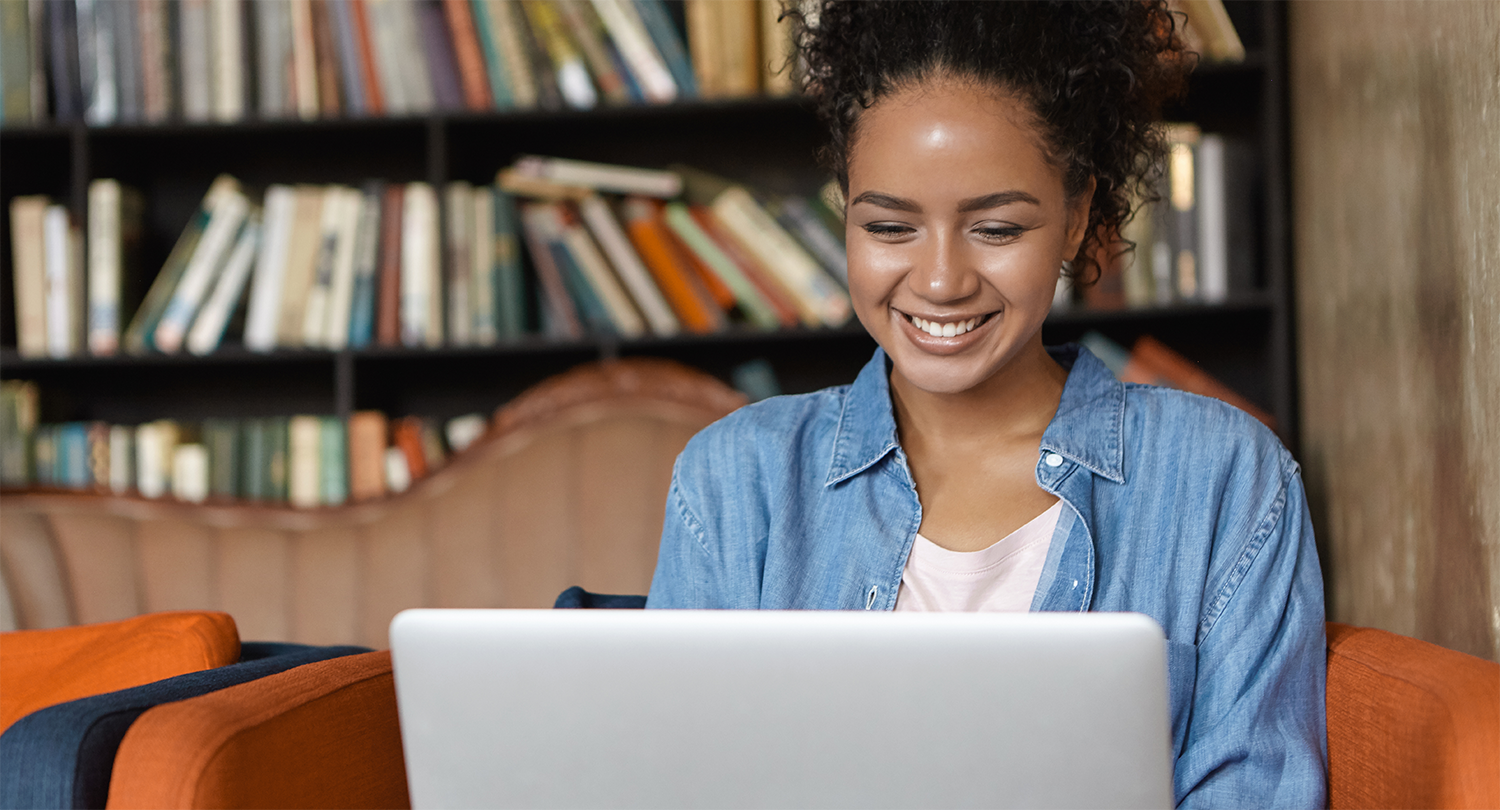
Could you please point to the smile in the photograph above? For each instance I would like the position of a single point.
(949, 328)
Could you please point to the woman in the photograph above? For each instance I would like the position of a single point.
(983, 148)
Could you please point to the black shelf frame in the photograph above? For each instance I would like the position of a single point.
(1248, 342)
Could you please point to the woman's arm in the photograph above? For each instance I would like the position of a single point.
(1257, 736)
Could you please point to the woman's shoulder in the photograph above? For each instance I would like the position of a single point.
(1199, 430)
(773, 431)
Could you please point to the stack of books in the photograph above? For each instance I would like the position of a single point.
(305, 461)
(151, 61)
(1196, 242)
(615, 250)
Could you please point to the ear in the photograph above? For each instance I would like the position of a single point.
(1078, 217)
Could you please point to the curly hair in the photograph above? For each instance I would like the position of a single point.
(1095, 75)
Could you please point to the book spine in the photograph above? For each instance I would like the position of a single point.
(586, 30)
(628, 32)
(572, 76)
(121, 460)
(482, 278)
(668, 41)
(253, 460)
(508, 40)
(67, 92)
(437, 48)
(320, 291)
(782, 301)
(471, 71)
(29, 264)
(227, 18)
(741, 54)
(36, 23)
(364, 39)
(799, 219)
(15, 63)
(139, 335)
(1213, 224)
(190, 473)
(341, 291)
(366, 267)
(367, 446)
(194, 66)
(325, 61)
(419, 243)
(128, 61)
(562, 316)
(202, 270)
(413, 67)
(222, 439)
(388, 311)
(270, 267)
(387, 54)
(58, 248)
(272, 49)
(208, 328)
(346, 47)
(1182, 198)
(689, 301)
(543, 72)
(105, 200)
(821, 298)
(304, 60)
(333, 459)
(96, 32)
(155, 81)
(510, 285)
(611, 237)
(754, 305)
(305, 446)
(304, 245)
(457, 263)
(603, 177)
(596, 273)
(494, 60)
(590, 309)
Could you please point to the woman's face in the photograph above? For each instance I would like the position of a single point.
(957, 229)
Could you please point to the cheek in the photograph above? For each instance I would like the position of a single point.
(875, 268)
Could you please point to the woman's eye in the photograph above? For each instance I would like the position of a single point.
(887, 229)
(996, 233)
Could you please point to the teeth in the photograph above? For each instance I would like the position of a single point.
(945, 329)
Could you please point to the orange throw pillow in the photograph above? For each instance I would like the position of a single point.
(41, 668)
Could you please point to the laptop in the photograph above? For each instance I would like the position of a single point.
(711, 709)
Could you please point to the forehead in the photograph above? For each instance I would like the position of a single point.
(949, 137)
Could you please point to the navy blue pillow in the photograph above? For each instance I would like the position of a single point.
(61, 756)
(576, 597)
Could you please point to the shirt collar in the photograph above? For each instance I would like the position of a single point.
(1086, 428)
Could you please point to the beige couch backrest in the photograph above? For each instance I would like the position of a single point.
(567, 488)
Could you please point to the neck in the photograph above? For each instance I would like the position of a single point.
(1014, 405)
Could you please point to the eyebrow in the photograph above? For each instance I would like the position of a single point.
(996, 200)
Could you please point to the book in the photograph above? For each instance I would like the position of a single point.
(304, 455)
(333, 473)
(406, 436)
(462, 431)
(346, 57)
(436, 47)
(29, 263)
(121, 459)
(597, 274)
(226, 217)
(115, 224)
(482, 265)
(705, 44)
(304, 61)
(545, 230)
(226, 18)
(221, 437)
(776, 50)
(505, 30)
(388, 301)
(561, 317)
(586, 30)
(335, 334)
(367, 446)
(1152, 362)
(194, 65)
(331, 102)
(573, 80)
(749, 298)
(646, 64)
(543, 72)
(668, 41)
(799, 219)
(158, 60)
(208, 327)
(820, 298)
(648, 233)
(19, 407)
(397, 471)
(366, 268)
(473, 77)
(254, 460)
(387, 54)
(611, 238)
(270, 268)
(15, 63)
(510, 284)
(369, 72)
(320, 289)
(775, 294)
(73, 456)
(602, 177)
(496, 69)
(63, 53)
(303, 242)
(155, 444)
(277, 472)
(458, 264)
(64, 283)
(96, 62)
(273, 56)
(1182, 217)
(1212, 226)
(140, 334)
(421, 267)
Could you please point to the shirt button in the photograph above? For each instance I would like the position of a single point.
(1054, 460)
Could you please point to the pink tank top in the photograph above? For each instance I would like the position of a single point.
(1001, 577)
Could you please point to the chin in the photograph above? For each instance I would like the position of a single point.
(939, 375)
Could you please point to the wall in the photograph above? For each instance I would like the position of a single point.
(1396, 185)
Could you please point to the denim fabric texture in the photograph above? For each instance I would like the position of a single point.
(1177, 506)
(61, 757)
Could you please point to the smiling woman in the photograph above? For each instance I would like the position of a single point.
(985, 149)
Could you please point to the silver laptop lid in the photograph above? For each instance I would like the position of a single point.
(629, 708)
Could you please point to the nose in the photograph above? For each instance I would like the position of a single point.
(943, 273)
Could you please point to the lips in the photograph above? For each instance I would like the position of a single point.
(945, 336)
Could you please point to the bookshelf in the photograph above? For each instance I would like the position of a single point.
(1246, 342)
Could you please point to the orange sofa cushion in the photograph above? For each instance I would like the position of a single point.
(41, 668)
(1410, 724)
(320, 735)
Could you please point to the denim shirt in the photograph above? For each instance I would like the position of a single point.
(1177, 506)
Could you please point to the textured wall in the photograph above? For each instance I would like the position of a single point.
(1396, 179)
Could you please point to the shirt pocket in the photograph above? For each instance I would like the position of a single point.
(1182, 678)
